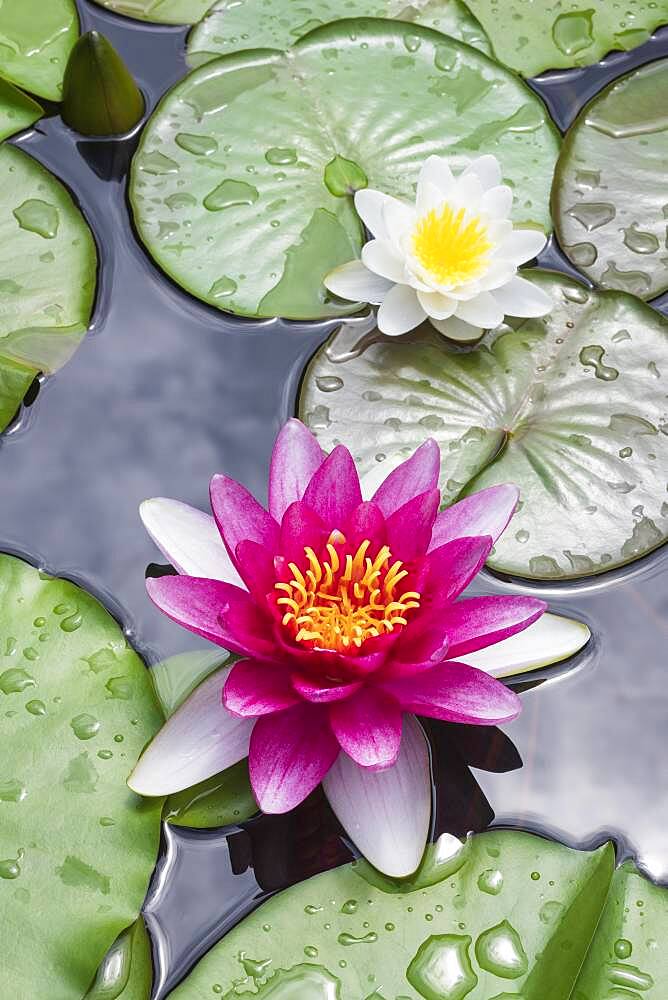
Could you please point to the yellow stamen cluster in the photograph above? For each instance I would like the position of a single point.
(451, 247)
(339, 602)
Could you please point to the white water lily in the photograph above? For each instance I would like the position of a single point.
(452, 257)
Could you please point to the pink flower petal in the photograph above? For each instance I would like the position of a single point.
(484, 513)
(386, 813)
(475, 622)
(416, 475)
(217, 611)
(452, 567)
(296, 458)
(197, 741)
(368, 727)
(409, 529)
(290, 754)
(239, 516)
(421, 644)
(300, 527)
(256, 688)
(312, 690)
(334, 490)
(366, 522)
(455, 692)
(257, 569)
(189, 539)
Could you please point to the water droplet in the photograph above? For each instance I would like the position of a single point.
(311, 951)
(279, 157)
(522, 536)
(620, 336)
(635, 282)
(350, 906)
(412, 42)
(10, 868)
(592, 357)
(329, 383)
(157, 163)
(14, 680)
(491, 880)
(593, 215)
(37, 216)
(318, 419)
(39, 622)
(107, 821)
(350, 939)
(118, 738)
(575, 293)
(12, 791)
(231, 193)
(645, 536)
(76, 874)
(499, 951)
(544, 566)
(550, 911)
(85, 726)
(623, 948)
(105, 754)
(639, 241)
(445, 58)
(36, 707)
(629, 424)
(255, 968)
(629, 976)
(72, 622)
(198, 145)
(583, 254)
(179, 200)
(441, 969)
(573, 32)
(312, 910)
(120, 688)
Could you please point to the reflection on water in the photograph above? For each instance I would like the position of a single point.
(164, 393)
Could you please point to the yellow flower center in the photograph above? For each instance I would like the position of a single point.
(342, 600)
(451, 248)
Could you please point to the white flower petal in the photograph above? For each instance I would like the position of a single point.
(497, 202)
(482, 311)
(499, 273)
(436, 170)
(369, 206)
(436, 305)
(487, 169)
(198, 741)
(549, 640)
(428, 197)
(522, 298)
(189, 540)
(400, 311)
(523, 245)
(468, 192)
(457, 329)
(498, 231)
(382, 258)
(356, 282)
(399, 219)
(386, 813)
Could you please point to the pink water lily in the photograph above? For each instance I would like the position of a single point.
(348, 617)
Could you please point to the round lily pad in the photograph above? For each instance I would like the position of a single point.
(36, 38)
(17, 110)
(509, 915)
(553, 34)
(241, 187)
(230, 26)
(48, 268)
(162, 11)
(610, 195)
(571, 408)
(76, 846)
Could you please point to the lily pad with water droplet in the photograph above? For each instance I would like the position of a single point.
(533, 37)
(126, 971)
(78, 846)
(229, 27)
(48, 268)
(17, 110)
(379, 94)
(570, 408)
(610, 197)
(36, 38)
(160, 11)
(340, 935)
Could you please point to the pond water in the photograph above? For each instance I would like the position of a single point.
(166, 391)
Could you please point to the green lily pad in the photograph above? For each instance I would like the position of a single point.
(17, 110)
(76, 846)
(162, 11)
(126, 971)
(226, 798)
(48, 266)
(229, 26)
(611, 230)
(228, 185)
(515, 919)
(570, 408)
(553, 34)
(36, 38)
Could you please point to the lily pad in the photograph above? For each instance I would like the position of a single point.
(36, 38)
(553, 34)
(610, 199)
(48, 268)
(161, 11)
(77, 847)
(230, 26)
(229, 187)
(571, 408)
(17, 110)
(514, 918)
(126, 971)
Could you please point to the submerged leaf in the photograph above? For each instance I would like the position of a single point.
(570, 408)
(251, 138)
(100, 96)
(77, 846)
(162, 11)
